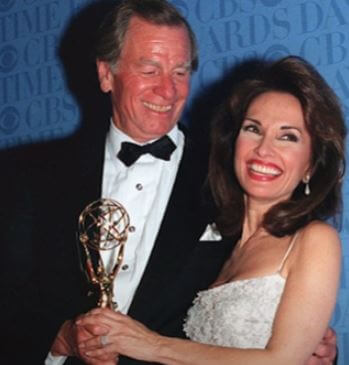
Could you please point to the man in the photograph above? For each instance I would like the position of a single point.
(149, 85)
(145, 55)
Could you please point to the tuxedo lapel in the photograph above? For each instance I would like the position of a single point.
(91, 171)
(87, 170)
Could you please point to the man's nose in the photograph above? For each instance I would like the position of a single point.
(166, 87)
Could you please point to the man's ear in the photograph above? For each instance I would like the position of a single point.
(105, 76)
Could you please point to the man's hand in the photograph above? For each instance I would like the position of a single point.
(92, 331)
(70, 334)
(326, 351)
(64, 344)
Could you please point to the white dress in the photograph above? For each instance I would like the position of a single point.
(239, 313)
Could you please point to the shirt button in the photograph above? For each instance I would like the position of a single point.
(139, 186)
(132, 229)
(124, 267)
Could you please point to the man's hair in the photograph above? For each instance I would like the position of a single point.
(325, 124)
(111, 34)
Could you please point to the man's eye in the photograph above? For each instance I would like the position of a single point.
(183, 72)
(148, 72)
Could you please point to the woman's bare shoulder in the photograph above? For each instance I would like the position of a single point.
(320, 240)
(318, 231)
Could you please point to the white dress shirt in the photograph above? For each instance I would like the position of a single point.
(143, 189)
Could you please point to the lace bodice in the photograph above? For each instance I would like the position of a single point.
(237, 314)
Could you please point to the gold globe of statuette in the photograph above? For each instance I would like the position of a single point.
(103, 225)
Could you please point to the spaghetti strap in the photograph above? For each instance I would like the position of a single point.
(294, 238)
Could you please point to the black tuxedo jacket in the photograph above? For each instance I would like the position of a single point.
(41, 279)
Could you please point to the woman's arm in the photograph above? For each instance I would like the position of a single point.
(300, 323)
(310, 293)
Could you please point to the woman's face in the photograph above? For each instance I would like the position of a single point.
(273, 148)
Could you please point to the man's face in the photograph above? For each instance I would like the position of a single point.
(150, 84)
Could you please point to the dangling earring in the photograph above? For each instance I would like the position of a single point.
(306, 182)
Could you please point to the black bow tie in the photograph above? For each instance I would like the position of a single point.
(130, 152)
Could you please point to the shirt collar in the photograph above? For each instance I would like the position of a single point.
(115, 137)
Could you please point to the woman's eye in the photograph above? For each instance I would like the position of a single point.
(251, 128)
(289, 137)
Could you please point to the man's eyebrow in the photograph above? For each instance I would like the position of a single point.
(186, 65)
(147, 61)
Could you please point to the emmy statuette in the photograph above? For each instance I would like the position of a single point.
(103, 225)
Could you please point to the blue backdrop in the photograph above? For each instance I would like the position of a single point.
(37, 101)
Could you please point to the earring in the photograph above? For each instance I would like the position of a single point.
(307, 188)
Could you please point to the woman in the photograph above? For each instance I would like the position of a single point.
(275, 173)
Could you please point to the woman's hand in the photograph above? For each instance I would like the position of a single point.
(125, 336)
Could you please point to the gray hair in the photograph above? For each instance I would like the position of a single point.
(111, 34)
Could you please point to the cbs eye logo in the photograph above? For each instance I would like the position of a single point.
(9, 120)
(8, 58)
(6, 4)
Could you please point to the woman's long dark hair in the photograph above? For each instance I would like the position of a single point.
(324, 122)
